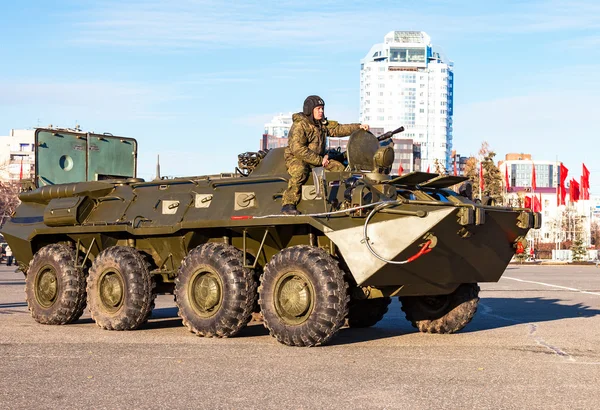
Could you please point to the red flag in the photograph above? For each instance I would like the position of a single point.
(564, 171)
(428, 168)
(21, 171)
(537, 204)
(481, 183)
(400, 169)
(527, 202)
(506, 177)
(585, 183)
(533, 178)
(574, 190)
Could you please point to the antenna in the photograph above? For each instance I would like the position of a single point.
(157, 166)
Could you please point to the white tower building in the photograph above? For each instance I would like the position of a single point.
(405, 81)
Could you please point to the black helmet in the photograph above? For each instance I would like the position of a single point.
(310, 103)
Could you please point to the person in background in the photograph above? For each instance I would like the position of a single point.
(9, 256)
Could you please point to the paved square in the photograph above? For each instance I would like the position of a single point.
(534, 343)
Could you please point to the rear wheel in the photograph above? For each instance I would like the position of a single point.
(55, 286)
(443, 313)
(214, 292)
(120, 289)
(303, 296)
(367, 312)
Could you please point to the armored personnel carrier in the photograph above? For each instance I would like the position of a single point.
(219, 243)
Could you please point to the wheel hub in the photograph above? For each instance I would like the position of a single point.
(294, 298)
(206, 293)
(46, 289)
(111, 291)
(436, 304)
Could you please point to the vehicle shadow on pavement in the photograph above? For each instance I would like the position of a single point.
(12, 305)
(494, 313)
(167, 317)
(12, 283)
(383, 330)
(163, 318)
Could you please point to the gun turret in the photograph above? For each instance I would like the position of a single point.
(365, 153)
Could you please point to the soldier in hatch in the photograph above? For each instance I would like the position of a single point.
(306, 148)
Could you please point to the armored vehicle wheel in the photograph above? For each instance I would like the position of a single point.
(214, 292)
(444, 313)
(367, 312)
(303, 296)
(55, 287)
(120, 289)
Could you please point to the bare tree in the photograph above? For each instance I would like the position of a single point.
(439, 168)
(9, 199)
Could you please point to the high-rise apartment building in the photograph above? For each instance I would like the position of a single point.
(406, 81)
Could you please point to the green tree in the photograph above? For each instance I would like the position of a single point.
(578, 248)
(492, 177)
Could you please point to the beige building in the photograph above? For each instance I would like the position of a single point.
(17, 155)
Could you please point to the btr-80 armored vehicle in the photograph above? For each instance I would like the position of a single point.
(220, 244)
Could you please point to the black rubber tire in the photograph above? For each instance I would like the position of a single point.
(137, 301)
(444, 313)
(70, 299)
(367, 312)
(237, 290)
(330, 293)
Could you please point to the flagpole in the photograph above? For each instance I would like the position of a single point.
(557, 214)
(480, 179)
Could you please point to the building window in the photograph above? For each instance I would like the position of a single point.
(407, 55)
(23, 147)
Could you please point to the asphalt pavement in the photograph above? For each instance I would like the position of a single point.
(534, 343)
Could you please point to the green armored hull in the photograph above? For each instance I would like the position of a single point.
(220, 244)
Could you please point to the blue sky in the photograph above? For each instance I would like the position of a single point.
(195, 80)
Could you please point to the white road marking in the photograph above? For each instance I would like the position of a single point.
(552, 286)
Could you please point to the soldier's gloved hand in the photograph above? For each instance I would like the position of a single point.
(364, 127)
(326, 160)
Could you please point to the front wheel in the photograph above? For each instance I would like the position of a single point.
(442, 313)
(55, 286)
(303, 296)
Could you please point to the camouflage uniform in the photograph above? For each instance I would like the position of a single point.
(306, 149)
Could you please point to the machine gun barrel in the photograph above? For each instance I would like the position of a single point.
(390, 134)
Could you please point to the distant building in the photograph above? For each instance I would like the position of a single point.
(405, 151)
(519, 168)
(459, 163)
(17, 155)
(406, 81)
(276, 132)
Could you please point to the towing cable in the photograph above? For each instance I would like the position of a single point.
(425, 248)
